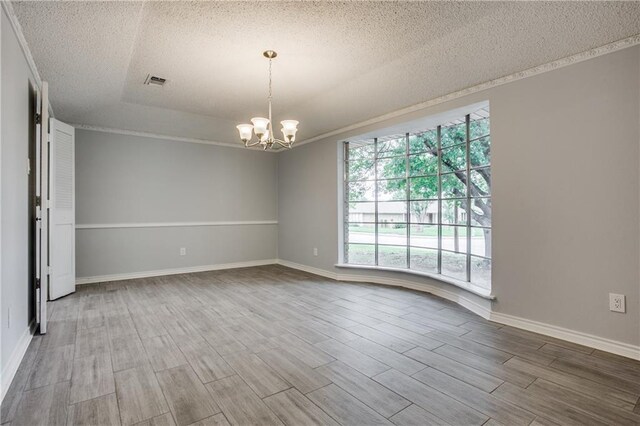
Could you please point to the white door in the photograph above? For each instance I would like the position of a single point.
(62, 221)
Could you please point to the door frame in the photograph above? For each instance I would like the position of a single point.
(33, 201)
(42, 211)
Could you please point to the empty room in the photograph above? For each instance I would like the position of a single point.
(319, 213)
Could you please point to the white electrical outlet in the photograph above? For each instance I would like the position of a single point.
(183, 251)
(315, 251)
(617, 303)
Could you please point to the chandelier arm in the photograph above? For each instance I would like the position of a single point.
(283, 143)
(249, 145)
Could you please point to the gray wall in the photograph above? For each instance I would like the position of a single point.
(123, 179)
(14, 144)
(565, 147)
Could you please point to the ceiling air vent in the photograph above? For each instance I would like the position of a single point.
(153, 80)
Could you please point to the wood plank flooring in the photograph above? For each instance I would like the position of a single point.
(271, 345)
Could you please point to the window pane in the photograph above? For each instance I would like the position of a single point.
(424, 211)
(393, 257)
(423, 164)
(481, 272)
(481, 211)
(480, 151)
(362, 212)
(454, 212)
(424, 260)
(454, 265)
(454, 238)
(481, 179)
(392, 233)
(453, 185)
(360, 150)
(392, 147)
(361, 169)
(361, 191)
(359, 254)
(424, 236)
(395, 189)
(455, 134)
(392, 211)
(363, 233)
(481, 241)
(478, 128)
(389, 168)
(454, 158)
(423, 141)
(424, 187)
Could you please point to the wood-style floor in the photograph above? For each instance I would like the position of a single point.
(271, 345)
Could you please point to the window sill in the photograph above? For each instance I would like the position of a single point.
(478, 291)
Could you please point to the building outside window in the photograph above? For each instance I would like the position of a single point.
(421, 201)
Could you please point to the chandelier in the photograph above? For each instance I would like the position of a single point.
(262, 126)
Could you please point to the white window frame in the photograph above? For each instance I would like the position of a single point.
(342, 220)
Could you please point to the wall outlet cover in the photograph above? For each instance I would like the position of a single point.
(183, 251)
(617, 303)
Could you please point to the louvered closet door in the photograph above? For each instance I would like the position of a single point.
(62, 254)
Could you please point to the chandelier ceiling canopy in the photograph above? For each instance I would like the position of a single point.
(263, 128)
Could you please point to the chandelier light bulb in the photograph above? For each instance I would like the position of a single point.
(245, 131)
(289, 129)
(291, 125)
(260, 125)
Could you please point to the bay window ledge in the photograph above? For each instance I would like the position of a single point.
(471, 288)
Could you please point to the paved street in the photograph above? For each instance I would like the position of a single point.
(477, 243)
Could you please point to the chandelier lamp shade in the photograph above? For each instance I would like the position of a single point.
(262, 127)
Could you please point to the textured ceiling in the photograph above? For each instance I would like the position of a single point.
(339, 62)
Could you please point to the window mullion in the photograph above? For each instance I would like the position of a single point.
(345, 201)
(408, 196)
(468, 145)
(375, 174)
(439, 151)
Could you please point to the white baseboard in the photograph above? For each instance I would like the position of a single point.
(9, 371)
(461, 300)
(172, 271)
(601, 343)
(309, 269)
(607, 345)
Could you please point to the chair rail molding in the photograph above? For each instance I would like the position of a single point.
(174, 224)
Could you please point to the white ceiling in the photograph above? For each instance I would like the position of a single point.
(338, 62)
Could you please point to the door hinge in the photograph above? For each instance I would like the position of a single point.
(50, 270)
(38, 201)
(38, 118)
(37, 283)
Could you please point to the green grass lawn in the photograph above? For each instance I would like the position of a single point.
(453, 265)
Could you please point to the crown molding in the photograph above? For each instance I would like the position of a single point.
(540, 69)
(159, 136)
(24, 46)
(17, 30)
